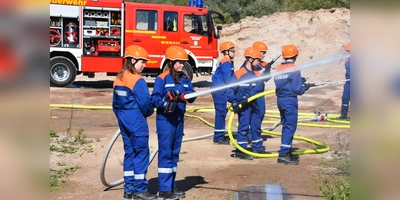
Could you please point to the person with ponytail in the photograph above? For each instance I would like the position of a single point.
(131, 105)
(168, 96)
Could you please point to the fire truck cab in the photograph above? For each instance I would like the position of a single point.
(89, 36)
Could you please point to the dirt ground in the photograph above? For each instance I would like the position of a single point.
(206, 171)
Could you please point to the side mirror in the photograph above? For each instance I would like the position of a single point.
(219, 28)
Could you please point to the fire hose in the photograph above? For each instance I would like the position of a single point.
(320, 147)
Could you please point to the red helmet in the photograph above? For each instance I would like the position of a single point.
(289, 51)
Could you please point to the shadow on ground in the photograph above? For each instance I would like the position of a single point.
(184, 185)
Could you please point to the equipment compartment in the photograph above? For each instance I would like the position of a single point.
(102, 32)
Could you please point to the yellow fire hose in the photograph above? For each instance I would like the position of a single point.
(320, 147)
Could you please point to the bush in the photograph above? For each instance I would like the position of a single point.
(239, 9)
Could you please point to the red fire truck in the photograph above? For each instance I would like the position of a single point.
(89, 36)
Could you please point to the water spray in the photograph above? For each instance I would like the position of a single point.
(299, 67)
(327, 83)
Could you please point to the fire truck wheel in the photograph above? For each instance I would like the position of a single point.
(188, 70)
(62, 71)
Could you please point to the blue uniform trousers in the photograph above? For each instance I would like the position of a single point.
(345, 98)
(247, 118)
(136, 160)
(256, 128)
(288, 109)
(220, 101)
(170, 134)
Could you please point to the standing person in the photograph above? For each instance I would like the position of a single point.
(265, 69)
(131, 105)
(346, 89)
(168, 94)
(288, 86)
(247, 111)
(221, 77)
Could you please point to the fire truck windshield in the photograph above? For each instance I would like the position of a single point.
(197, 24)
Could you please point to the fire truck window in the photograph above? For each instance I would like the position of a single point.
(171, 21)
(146, 20)
(204, 24)
(196, 24)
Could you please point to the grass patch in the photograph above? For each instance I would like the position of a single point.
(58, 176)
(334, 176)
(67, 146)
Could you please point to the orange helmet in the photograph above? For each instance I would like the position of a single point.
(176, 53)
(260, 45)
(225, 46)
(289, 51)
(347, 48)
(252, 53)
(137, 52)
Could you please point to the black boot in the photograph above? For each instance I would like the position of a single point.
(141, 196)
(221, 141)
(170, 195)
(243, 156)
(181, 194)
(343, 117)
(127, 196)
(288, 159)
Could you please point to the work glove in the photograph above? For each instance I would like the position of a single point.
(309, 85)
(182, 97)
(303, 80)
(237, 106)
(173, 95)
(169, 105)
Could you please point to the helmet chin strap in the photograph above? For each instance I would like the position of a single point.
(134, 63)
(252, 67)
(230, 55)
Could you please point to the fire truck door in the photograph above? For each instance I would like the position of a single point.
(170, 30)
(195, 35)
(143, 29)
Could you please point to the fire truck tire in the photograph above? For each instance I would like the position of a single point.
(62, 71)
(188, 70)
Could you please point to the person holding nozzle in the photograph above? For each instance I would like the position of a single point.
(168, 96)
(132, 105)
(221, 77)
(265, 69)
(248, 112)
(289, 85)
(346, 89)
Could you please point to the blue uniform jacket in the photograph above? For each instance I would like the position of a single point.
(165, 83)
(236, 93)
(347, 65)
(132, 93)
(288, 84)
(132, 103)
(223, 73)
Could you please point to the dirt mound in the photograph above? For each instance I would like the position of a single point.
(318, 34)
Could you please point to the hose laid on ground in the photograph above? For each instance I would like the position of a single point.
(321, 147)
(152, 156)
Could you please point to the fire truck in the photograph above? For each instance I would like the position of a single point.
(89, 36)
